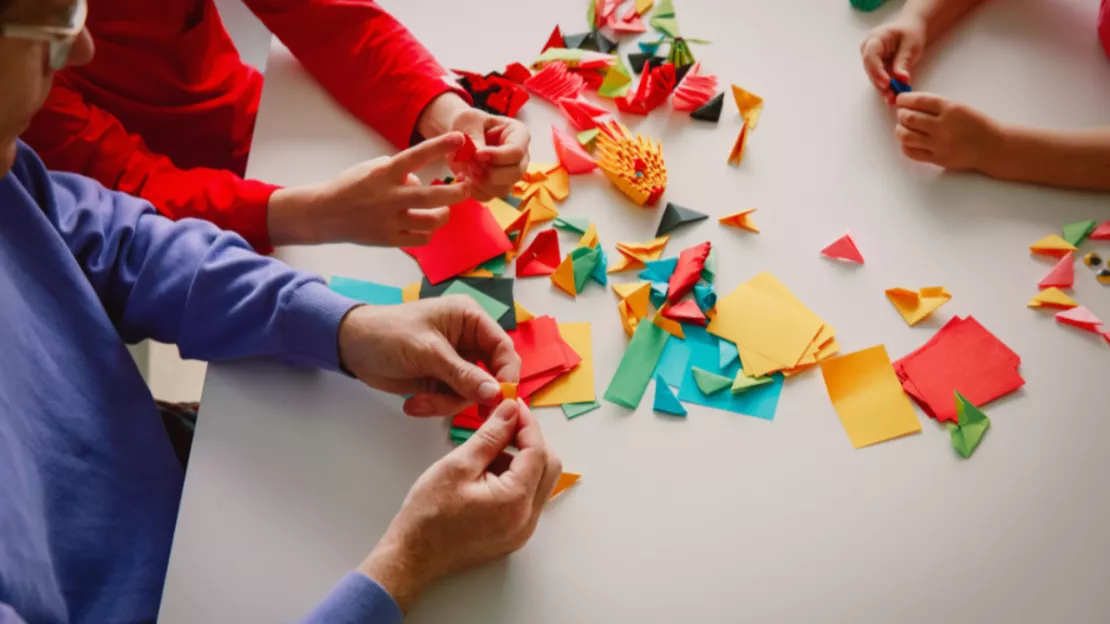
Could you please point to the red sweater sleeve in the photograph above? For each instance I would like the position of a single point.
(366, 59)
(70, 135)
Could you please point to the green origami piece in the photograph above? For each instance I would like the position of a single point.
(637, 365)
(743, 382)
(663, 18)
(591, 14)
(492, 306)
(972, 423)
(680, 54)
(617, 82)
(578, 225)
(574, 410)
(585, 260)
(709, 271)
(460, 435)
(1076, 233)
(495, 265)
(867, 5)
(709, 383)
(587, 137)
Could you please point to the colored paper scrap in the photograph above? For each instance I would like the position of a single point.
(898, 87)
(675, 216)
(589, 239)
(971, 423)
(687, 272)
(574, 410)
(636, 366)
(570, 153)
(411, 292)
(566, 480)
(704, 295)
(665, 400)
(741, 220)
(1080, 317)
(1052, 298)
(498, 288)
(868, 397)
(668, 325)
(843, 248)
(659, 270)
(729, 354)
(659, 295)
(758, 402)
(445, 257)
(663, 19)
(554, 41)
(509, 390)
(736, 154)
(617, 82)
(587, 138)
(366, 292)
(542, 257)
(673, 363)
(711, 110)
(599, 274)
(1052, 245)
(636, 294)
(576, 386)
(694, 90)
(1062, 275)
(709, 383)
(1076, 233)
(915, 305)
(563, 277)
(709, 273)
(685, 312)
(555, 82)
(493, 307)
(522, 313)
(750, 106)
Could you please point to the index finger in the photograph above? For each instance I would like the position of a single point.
(434, 196)
(419, 155)
(490, 341)
(512, 149)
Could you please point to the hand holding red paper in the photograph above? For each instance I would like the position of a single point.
(429, 350)
(500, 153)
(378, 202)
(462, 512)
(893, 51)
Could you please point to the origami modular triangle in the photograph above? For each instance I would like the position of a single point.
(843, 248)
(636, 294)
(969, 428)
(743, 383)
(741, 220)
(571, 154)
(1080, 317)
(577, 225)
(687, 271)
(589, 239)
(711, 110)
(522, 313)
(554, 41)
(750, 106)
(566, 480)
(1102, 232)
(665, 400)
(673, 328)
(563, 277)
(675, 216)
(1062, 275)
(1052, 245)
(916, 305)
(585, 260)
(542, 257)
(1052, 298)
(685, 312)
(709, 383)
(1076, 233)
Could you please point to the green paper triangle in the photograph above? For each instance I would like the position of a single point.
(743, 383)
(495, 265)
(572, 224)
(709, 383)
(972, 424)
(665, 400)
(574, 410)
(1076, 233)
(616, 84)
(585, 260)
(591, 15)
(587, 137)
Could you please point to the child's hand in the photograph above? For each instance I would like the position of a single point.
(936, 130)
(893, 48)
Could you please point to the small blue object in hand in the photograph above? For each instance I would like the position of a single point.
(899, 87)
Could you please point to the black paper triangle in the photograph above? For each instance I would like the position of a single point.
(675, 216)
(577, 41)
(680, 72)
(711, 110)
(637, 61)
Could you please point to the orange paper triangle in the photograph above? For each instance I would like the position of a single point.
(671, 327)
(1052, 245)
(1052, 298)
(563, 277)
(740, 220)
(749, 104)
(522, 313)
(589, 239)
(566, 480)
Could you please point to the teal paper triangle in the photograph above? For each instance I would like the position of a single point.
(709, 383)
(599, 274)
(659, 270)
(728, 352)
(665, 400)
(705, 296)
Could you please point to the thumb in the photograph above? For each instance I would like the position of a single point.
(909, 53)
(464, 378)
(491, 438)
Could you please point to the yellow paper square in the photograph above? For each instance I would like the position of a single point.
(765, 324)
(868, 397)
(576, 386)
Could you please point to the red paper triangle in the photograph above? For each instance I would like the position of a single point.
(465, 153)
(687, 271)
(685, 312)
(542, 257)
(517, 72)
(1080, 317)
(1102, 232)
(843, 248)
(630, 23)
(555, 40)
(571, 154)
(1062, 275)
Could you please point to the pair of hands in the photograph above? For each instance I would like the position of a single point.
(478, 503)
(382, 202)
(930, 128)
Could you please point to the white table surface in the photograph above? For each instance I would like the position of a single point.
(718, 517)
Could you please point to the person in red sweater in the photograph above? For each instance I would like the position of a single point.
(166, 110)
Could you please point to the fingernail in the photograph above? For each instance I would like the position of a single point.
(420, 407)
(505, 411)
(489, 391)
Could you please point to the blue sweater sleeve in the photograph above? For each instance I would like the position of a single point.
(9, 616)
(357, 599)
(190, 283)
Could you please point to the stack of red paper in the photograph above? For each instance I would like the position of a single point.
(544, 355)
(963, 356)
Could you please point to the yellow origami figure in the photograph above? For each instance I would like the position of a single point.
(633, 164)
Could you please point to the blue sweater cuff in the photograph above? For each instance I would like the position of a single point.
(310, 326)
(357, 599)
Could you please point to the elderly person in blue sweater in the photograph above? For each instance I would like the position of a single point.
(89, 483)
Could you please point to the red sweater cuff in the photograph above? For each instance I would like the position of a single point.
(252, 212)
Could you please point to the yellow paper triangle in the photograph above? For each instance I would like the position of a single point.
(749, 104)
(589, 239)
(1052, 298)
(639, 299)
(642, 6)
(737, 154)
(522, 313)
(563, 277)
(1052, 245)
(411, 292)
(740, 219)
(651, 250)
(623, 291)
(558, 183)
(629, 320)
(541, 207)
(624, 262)
(566, 480)
(503, 212)
(915, 306)
(671, 326)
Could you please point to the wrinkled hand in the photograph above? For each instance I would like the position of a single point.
(459, 514)
(378, 202)
(502, 155)
(936, 130)
(893, 49)
(428, 349)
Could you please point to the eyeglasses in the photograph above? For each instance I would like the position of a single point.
(60, 37)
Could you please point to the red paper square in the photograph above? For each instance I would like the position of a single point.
(470, 237)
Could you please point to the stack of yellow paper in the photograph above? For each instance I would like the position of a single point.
(773, 330)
